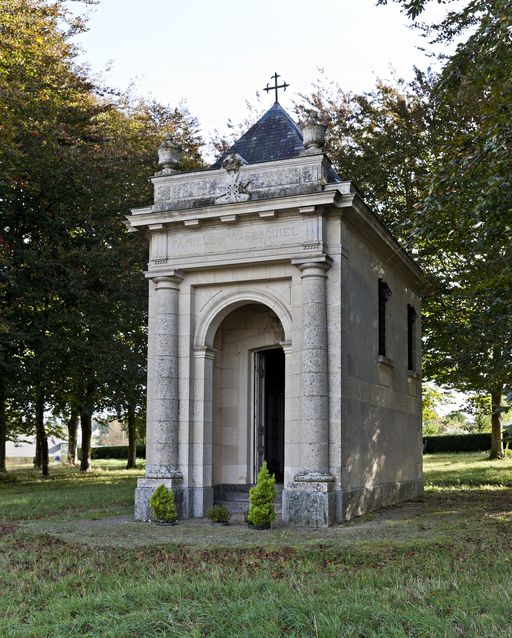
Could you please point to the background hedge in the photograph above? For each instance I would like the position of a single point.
(457, 443)
(114, 452)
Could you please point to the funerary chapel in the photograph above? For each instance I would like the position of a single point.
(284, 326)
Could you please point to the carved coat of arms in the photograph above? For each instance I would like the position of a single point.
(234, 189)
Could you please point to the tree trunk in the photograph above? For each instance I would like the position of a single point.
(41, 435)
(72, 432)
(132, 438)
(37, 457)
(496, 421)
(3, 427)
(86, 410)
(86, 427)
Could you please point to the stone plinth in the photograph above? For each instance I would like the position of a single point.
(310, 501)
(146, 487)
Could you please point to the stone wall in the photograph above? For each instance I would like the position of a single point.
(381, 399)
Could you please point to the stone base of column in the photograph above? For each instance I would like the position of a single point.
(146, 487)
(310, 500)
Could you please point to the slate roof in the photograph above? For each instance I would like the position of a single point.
(275, 136)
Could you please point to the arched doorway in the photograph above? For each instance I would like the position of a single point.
(248, 395)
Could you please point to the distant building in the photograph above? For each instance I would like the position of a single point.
(25, 451)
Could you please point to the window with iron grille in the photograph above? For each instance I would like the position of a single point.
(411, 337)
(384, 295)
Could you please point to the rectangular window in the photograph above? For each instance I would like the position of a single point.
(384, 295)
(411, 337)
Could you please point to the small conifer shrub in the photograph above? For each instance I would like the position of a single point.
(163, 505)
(218, 514)
(262, 509)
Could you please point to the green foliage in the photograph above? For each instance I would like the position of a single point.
(433, 397)
(381, 141)
(163, 505)
(467, 215)
(75, 158)
(479, 406)
(457, 443)
(465, 222)
(114, 452)
(262, 510)
(413, 8)
(218, 514)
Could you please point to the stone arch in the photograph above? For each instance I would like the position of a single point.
(221, 305)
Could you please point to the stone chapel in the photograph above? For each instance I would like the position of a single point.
(284, 325)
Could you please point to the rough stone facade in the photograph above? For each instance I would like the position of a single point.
(247, 257)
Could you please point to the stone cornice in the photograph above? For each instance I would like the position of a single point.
(147, 217)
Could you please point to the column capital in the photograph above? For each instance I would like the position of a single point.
(204, 352)
(286, 346)
(171, 280)
(313, 267)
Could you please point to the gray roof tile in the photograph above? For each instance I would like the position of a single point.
(275, 136)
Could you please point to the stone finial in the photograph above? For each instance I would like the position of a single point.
(233, 162)
(168, 155)
(313, 133)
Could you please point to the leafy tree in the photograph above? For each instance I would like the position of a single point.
(433, 398)
(456, 420)
(46, 104)
(381, 141)
(465, 223)
(74, 159)
(413, 8)
(479, 406)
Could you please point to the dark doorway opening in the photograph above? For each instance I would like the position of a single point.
(273, 413)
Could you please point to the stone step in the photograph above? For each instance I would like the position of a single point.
(236, 497)
(241, 506)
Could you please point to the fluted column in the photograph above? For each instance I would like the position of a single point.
(314, 372)
(162, 442)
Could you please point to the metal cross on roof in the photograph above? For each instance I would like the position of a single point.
(276, 87)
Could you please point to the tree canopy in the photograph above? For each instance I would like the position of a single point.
(465, 221)
(74, 157)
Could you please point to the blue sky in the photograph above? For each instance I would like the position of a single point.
(216, 55)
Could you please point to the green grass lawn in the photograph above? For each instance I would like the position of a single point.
(73, 564)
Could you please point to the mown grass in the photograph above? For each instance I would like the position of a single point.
(470, 469)
(108, 488)
(445, 572)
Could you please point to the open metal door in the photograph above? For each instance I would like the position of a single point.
(259, 411)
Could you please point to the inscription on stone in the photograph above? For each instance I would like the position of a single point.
(217, 240)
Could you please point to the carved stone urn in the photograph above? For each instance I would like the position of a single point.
(168, 155)
(313, 133)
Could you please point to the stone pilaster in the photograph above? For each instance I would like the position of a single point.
(162, 463)
(309, 499)
(200, 487)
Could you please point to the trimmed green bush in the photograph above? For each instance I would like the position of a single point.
(457, 443)
(262, 509)
(114, 452)
(163, 505)
(218, 514)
